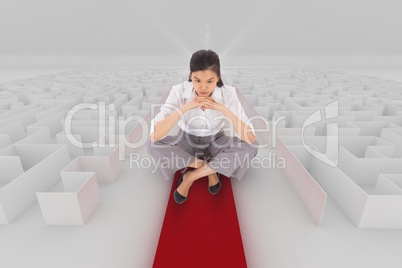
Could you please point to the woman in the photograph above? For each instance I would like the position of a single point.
(200, 106)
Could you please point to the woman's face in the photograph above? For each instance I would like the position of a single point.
(204, 82)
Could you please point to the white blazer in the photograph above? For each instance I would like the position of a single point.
(197, 121)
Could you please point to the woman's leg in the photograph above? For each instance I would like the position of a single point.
(230, 156)
(197, 163)
(192, 176)
(174, 148)
(170, 155)
(212, 178)
(227, 155)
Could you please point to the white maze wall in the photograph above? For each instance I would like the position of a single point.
(291, 109)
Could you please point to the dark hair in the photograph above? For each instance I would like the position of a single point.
(206, 60)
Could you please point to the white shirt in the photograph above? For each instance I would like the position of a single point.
(197, 121)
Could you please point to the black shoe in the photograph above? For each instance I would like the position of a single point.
(178, 198)
(214, 189)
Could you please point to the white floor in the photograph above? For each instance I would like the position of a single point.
(123, 232)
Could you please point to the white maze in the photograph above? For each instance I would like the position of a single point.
(339, 134)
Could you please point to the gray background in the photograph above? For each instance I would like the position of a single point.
(352, 33)
(44, 36)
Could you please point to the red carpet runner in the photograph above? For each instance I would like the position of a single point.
(201, 232)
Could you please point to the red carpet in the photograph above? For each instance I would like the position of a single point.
(201, 232)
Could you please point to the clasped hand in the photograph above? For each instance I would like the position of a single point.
(204, 103)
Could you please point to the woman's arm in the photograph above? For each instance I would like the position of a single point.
(163, 127)
(167, 115)
(242, 129)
